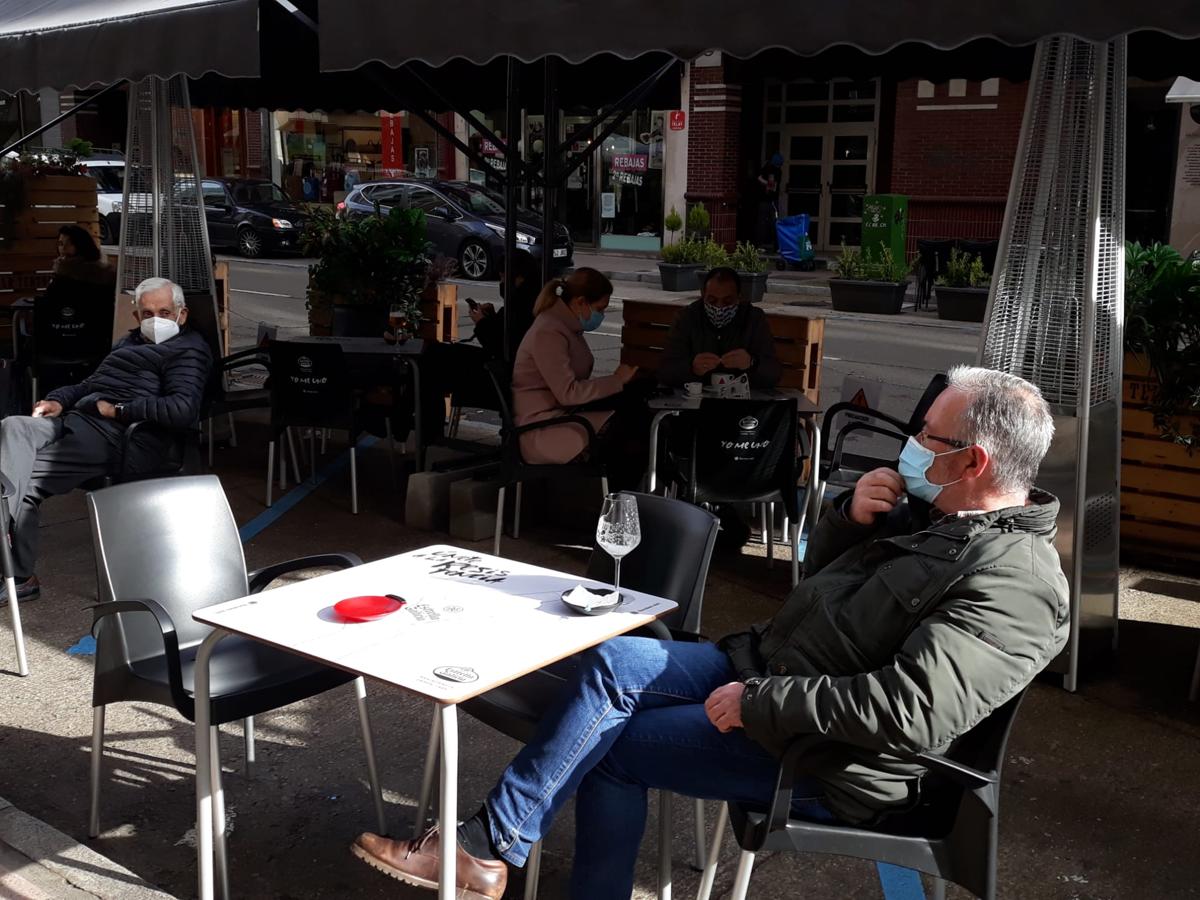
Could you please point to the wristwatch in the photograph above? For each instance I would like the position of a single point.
(120, 408)
(753, 682)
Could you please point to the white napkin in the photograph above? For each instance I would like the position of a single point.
(581, 596)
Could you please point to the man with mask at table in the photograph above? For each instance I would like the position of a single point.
(156, 374)
(932, 596)
(720, 334)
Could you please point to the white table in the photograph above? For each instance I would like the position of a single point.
(472, 623)
(677, 402)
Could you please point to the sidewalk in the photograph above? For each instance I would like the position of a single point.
(39, 862)
(644, 268)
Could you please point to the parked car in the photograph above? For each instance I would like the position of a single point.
(251, 215)
(108, 168)
(465, 221)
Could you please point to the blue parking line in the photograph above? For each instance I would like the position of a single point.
(268, 517)
(86, 645)
(899, 883)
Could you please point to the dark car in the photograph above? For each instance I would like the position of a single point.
(252, 215)
(465, 221)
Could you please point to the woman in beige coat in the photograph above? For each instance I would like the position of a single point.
(552, 377)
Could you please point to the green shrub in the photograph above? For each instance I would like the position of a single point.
(964, 271)
(684, 252)
(673, 222)
(746, 258)
(698, 219)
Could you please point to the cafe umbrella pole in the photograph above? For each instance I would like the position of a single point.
(549, 158)
(512, 125)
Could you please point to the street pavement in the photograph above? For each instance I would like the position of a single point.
(892, 355)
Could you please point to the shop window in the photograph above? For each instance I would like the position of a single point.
(856, 113)
(854, 90)
(631, 199)
(808, 92)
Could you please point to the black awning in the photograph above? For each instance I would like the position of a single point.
(80, 43)
(437, 31)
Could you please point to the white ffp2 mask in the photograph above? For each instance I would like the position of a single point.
(156, 329)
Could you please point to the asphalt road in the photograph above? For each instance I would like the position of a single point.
(893, 356)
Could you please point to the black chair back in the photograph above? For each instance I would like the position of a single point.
(985, 250)
(202, 318)
(744, 451)
(310, 385)
(672, 559)
(71, 336)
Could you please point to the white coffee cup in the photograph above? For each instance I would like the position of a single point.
(693, 388)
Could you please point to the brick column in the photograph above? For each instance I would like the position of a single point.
(713, 144)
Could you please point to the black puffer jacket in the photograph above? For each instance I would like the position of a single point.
(160, 383)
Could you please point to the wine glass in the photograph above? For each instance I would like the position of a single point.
(618, 532)
(397, 321)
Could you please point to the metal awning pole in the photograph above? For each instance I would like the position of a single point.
(512, 125)
(549, 160)
(59, 118)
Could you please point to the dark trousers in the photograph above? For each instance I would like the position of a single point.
(625, 439)
(46, 457)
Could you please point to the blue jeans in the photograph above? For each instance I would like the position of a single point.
(631, 718)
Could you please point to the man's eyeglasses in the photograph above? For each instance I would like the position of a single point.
(923, 435)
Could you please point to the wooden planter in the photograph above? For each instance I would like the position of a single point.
(439, 313)
(1160, 481)
(961, 304)
(879, 297)
(29, 235)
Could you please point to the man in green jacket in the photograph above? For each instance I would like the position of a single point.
(931, 596)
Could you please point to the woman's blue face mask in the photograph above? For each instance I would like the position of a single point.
(592, 322)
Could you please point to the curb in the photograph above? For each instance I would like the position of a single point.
(63, 861)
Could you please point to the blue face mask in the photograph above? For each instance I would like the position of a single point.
(592, 322)
(915, 461)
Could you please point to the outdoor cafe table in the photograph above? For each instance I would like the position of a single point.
(472, 622)
(678, 402)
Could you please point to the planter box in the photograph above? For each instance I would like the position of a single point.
(958, 304)
(678, 277)
(880, 297)
(754, 285)
(1160, 480)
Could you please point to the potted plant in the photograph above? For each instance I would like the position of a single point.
(962, 289)
(698, 222)
(365, 265)
(679, 261)
(753, 267)
(712, 255)
(1160, 415)
(870, 281)
(672, 222)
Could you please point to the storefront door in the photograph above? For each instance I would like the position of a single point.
(828, 169)
(826, 132)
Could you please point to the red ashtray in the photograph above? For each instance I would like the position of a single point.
(368, 608)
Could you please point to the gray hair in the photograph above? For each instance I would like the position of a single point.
(1008, 417)
(155, 284)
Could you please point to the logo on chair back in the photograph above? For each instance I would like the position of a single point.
(749, 423)
(460, 674)
(304, 363)
(67, 312)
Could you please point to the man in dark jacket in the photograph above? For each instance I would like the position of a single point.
(720, 334)
(931, 596)
(155, 374)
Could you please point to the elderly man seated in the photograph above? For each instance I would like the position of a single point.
(931, 596)
(155, 374)
(720, 334)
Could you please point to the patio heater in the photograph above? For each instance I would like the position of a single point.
(1055, 310)
(163, 229)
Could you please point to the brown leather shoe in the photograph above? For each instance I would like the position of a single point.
(416, 862)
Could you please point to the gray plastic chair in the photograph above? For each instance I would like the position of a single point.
(671, 561)
(146, 639)
(952, 832)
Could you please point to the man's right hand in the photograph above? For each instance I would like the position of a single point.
(876, 493)
(705, 363)
(46, 409)
(625, 372)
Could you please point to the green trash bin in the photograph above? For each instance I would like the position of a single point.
(885, 224)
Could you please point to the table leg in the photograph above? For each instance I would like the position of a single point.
(418, 424)
(448, 807)
(204, 781)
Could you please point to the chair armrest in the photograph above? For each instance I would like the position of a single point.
(582, 421)
(832, 412)
(655, 629)
(836, 456)
(260, 578)
(248, 357)
(166, 627)
(131, 430)
(790, 764)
